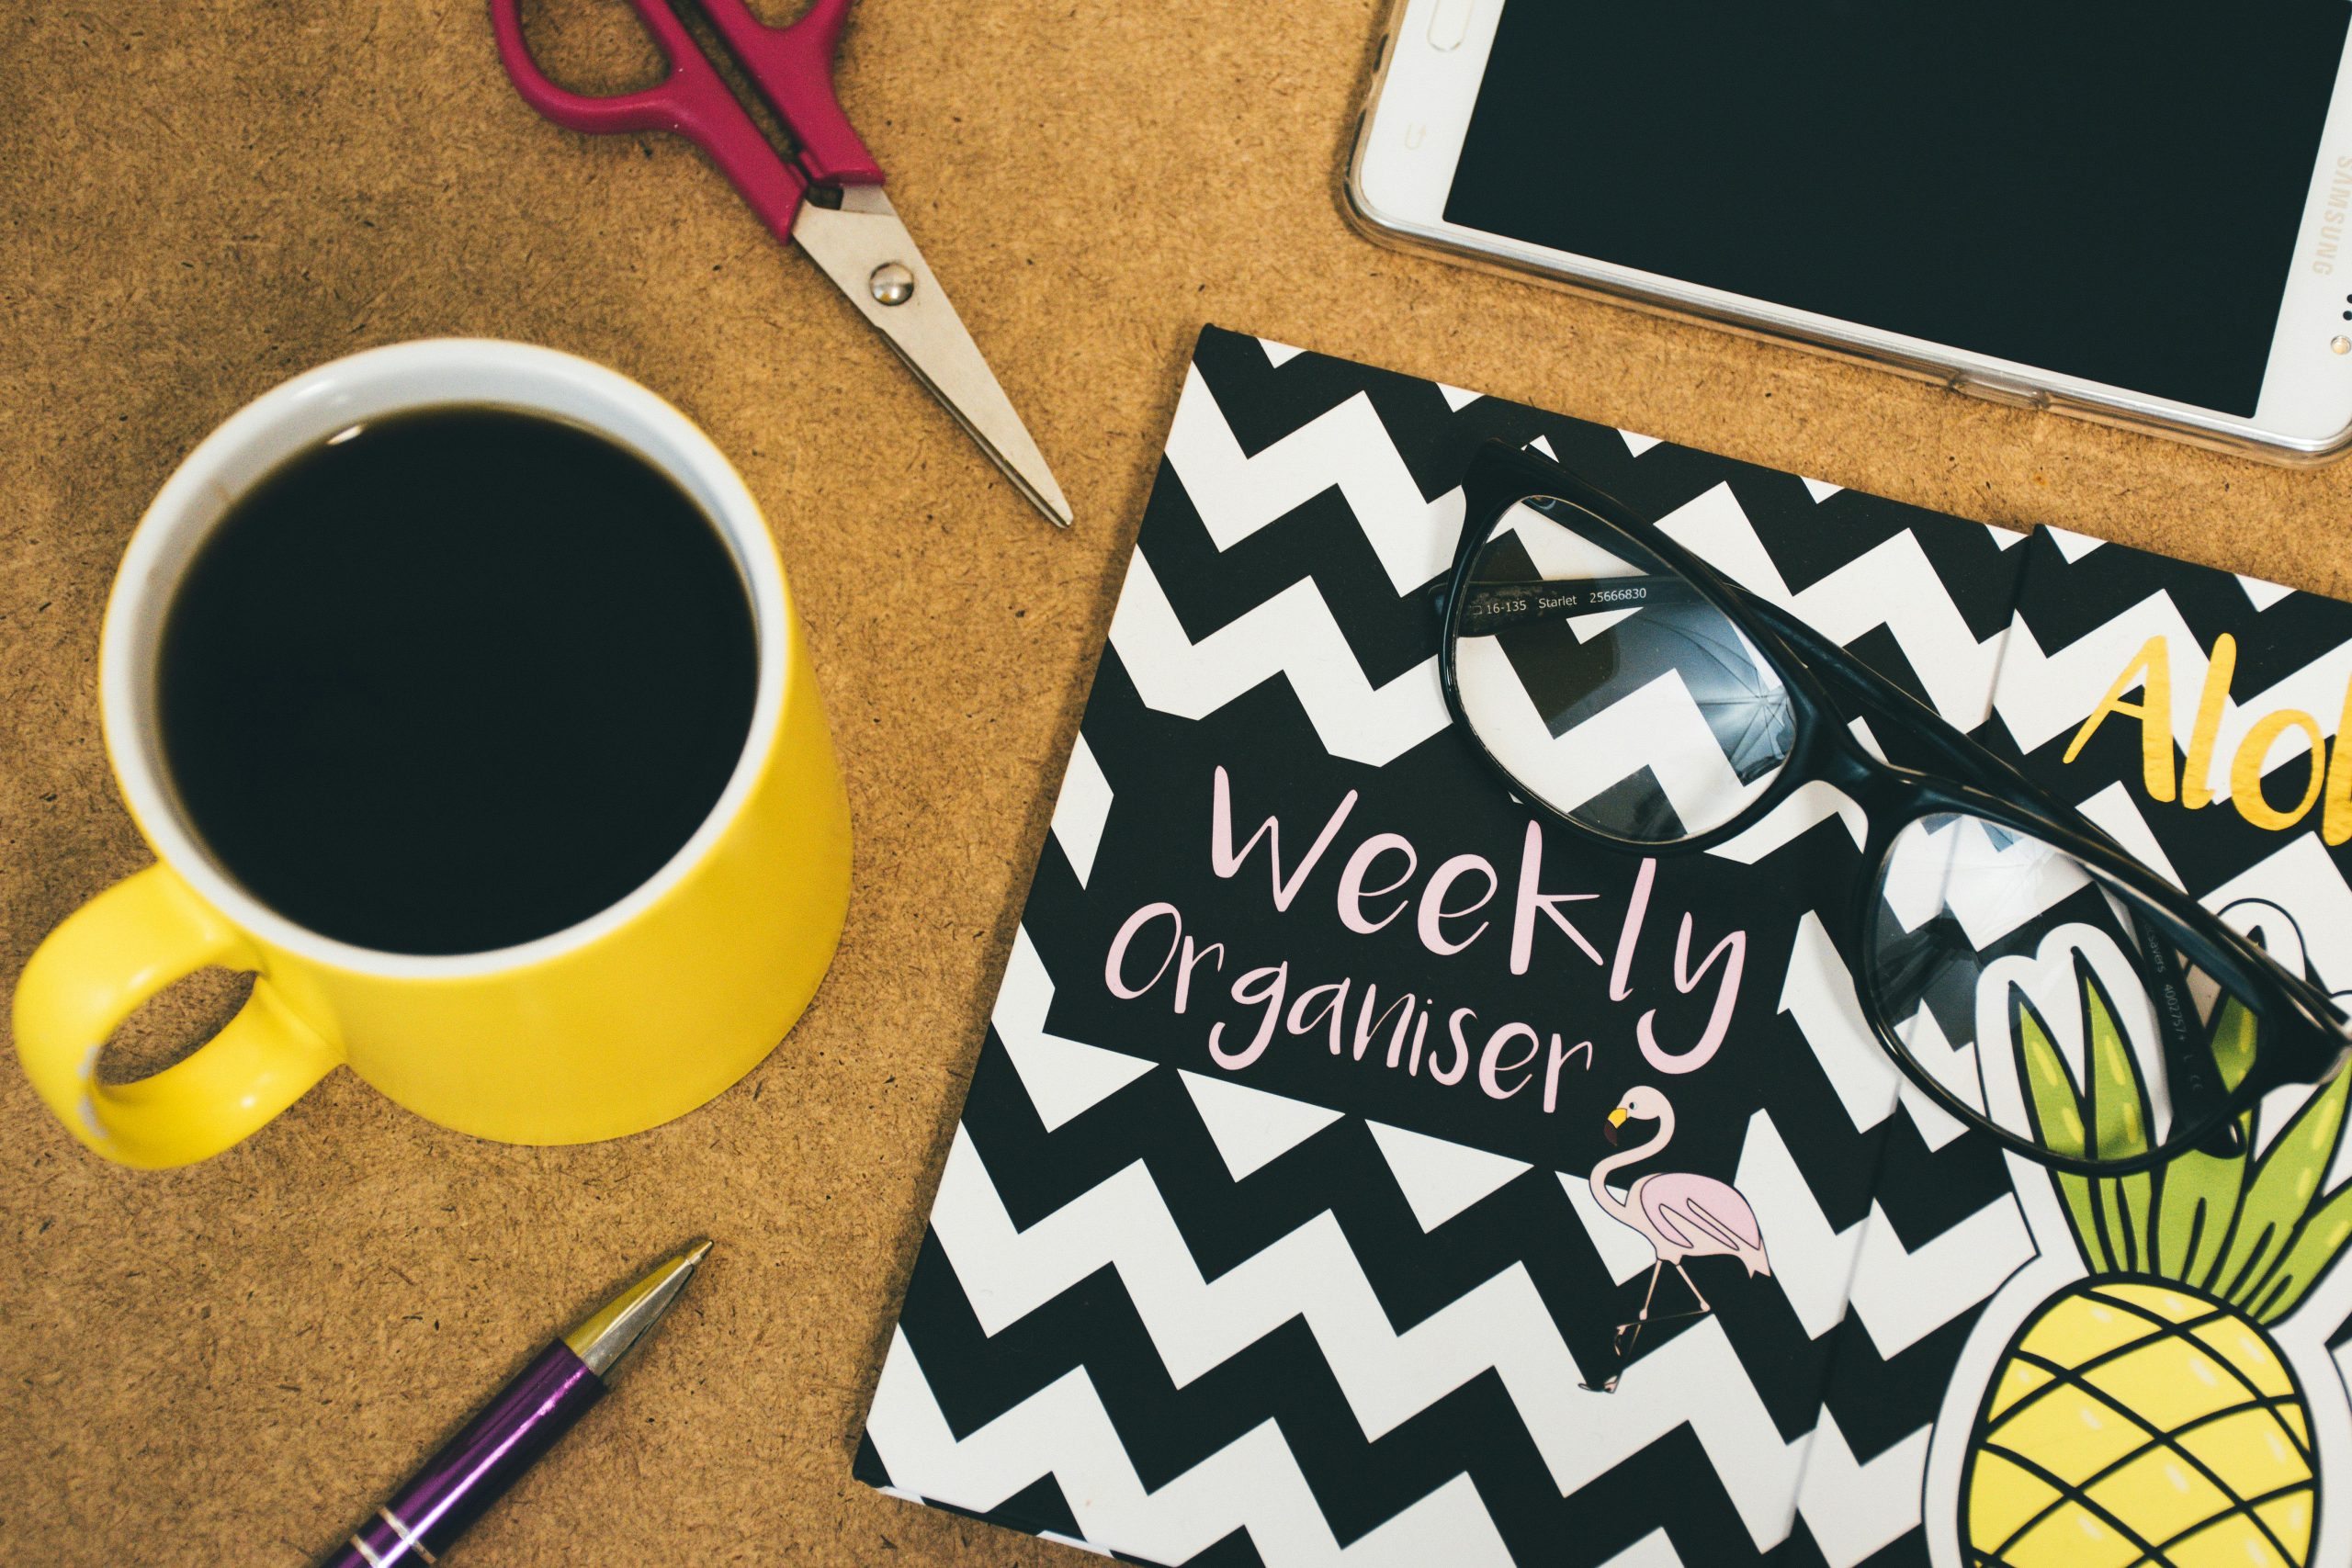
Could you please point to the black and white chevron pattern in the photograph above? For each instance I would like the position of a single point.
(1317, 1311)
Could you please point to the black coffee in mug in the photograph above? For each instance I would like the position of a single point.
(454, 680)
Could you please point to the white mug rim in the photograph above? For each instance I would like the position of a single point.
(375, 382)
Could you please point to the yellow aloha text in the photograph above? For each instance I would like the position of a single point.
(2150, 674)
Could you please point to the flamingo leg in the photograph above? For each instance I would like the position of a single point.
(1677, 1316)
(1704, 1306)
(1628, 1333)
(1643, 1317)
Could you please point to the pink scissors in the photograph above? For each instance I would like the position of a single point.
(827, 197)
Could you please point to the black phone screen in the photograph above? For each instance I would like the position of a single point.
(2112, 192)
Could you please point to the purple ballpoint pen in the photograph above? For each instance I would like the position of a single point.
(473, 1469)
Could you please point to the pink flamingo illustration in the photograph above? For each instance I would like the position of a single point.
(1681, 1216)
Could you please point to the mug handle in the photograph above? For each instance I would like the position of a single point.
(110, 956)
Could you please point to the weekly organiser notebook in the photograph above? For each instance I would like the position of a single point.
(1270, 1234)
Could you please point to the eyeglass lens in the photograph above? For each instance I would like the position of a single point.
(1607, 687)
(2023, 985)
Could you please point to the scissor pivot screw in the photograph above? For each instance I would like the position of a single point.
(893, 283)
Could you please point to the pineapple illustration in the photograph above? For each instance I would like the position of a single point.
(2144, 1417)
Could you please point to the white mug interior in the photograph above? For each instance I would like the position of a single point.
(318, 404)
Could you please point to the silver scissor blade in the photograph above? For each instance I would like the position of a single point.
(852, 243)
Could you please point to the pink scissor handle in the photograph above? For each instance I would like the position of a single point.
(794, 68)
(693, 101)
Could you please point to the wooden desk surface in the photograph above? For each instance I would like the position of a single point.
(226, 1363)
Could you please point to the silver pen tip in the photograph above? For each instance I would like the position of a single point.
(613, 1330)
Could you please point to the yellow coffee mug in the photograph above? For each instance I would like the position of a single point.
(635, 1015)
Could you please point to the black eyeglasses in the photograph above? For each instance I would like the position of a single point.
(1634, 696)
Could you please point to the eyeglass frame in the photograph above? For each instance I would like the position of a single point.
(2314, 1041)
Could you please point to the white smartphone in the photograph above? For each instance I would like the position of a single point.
(2141, 214)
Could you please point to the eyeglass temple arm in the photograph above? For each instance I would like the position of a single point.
(1965, 759)
(1492, 607)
